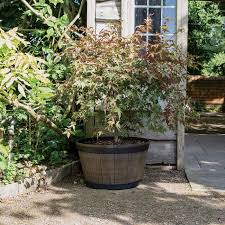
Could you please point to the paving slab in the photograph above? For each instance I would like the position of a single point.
(205, 162)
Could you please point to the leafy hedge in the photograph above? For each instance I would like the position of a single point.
(206, 37)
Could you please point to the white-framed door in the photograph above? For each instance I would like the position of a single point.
(173, 14)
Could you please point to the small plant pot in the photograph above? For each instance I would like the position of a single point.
(112, 167)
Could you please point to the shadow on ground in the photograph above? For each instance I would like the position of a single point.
(162, 198)
(207, 123)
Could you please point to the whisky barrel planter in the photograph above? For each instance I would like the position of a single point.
(112, 167)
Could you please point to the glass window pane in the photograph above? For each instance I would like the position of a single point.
(144, 38)
(169, 38)
(140, 2)
(153, 39)
(140, 16)
(155, 2)
(155, 15)
(169, 2)
(169, 19)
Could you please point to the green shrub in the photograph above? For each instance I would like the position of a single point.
(4, 156)
(215, 66)
(26, 96)
(126, 81)
(206, 35)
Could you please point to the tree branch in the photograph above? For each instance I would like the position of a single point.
(21, 29)
(73, 21)
(33, 10)
(37, 117)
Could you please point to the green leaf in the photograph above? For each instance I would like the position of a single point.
(3, 164)
(41, 1)
(7, 78)
(48, 9)
(11, 81)
(43, 79)
(4, 150)
(23, 81)
(50, 32)
(55, 2)
(46, 92)
(64, 20)
(21, 90)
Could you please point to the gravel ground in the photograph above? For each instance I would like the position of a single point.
(164, 197)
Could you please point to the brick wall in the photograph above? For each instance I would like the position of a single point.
(207, 90)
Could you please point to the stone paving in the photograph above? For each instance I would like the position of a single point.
(205, 162)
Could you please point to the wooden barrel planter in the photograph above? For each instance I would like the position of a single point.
(113, 167)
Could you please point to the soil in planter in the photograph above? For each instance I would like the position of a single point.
(111, 141)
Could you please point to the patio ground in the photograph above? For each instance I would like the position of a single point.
(163, 198)
(207, 123)
(205, 161)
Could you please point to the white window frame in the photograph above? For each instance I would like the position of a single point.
(128, 20)
(161, 7)
(91, 14)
